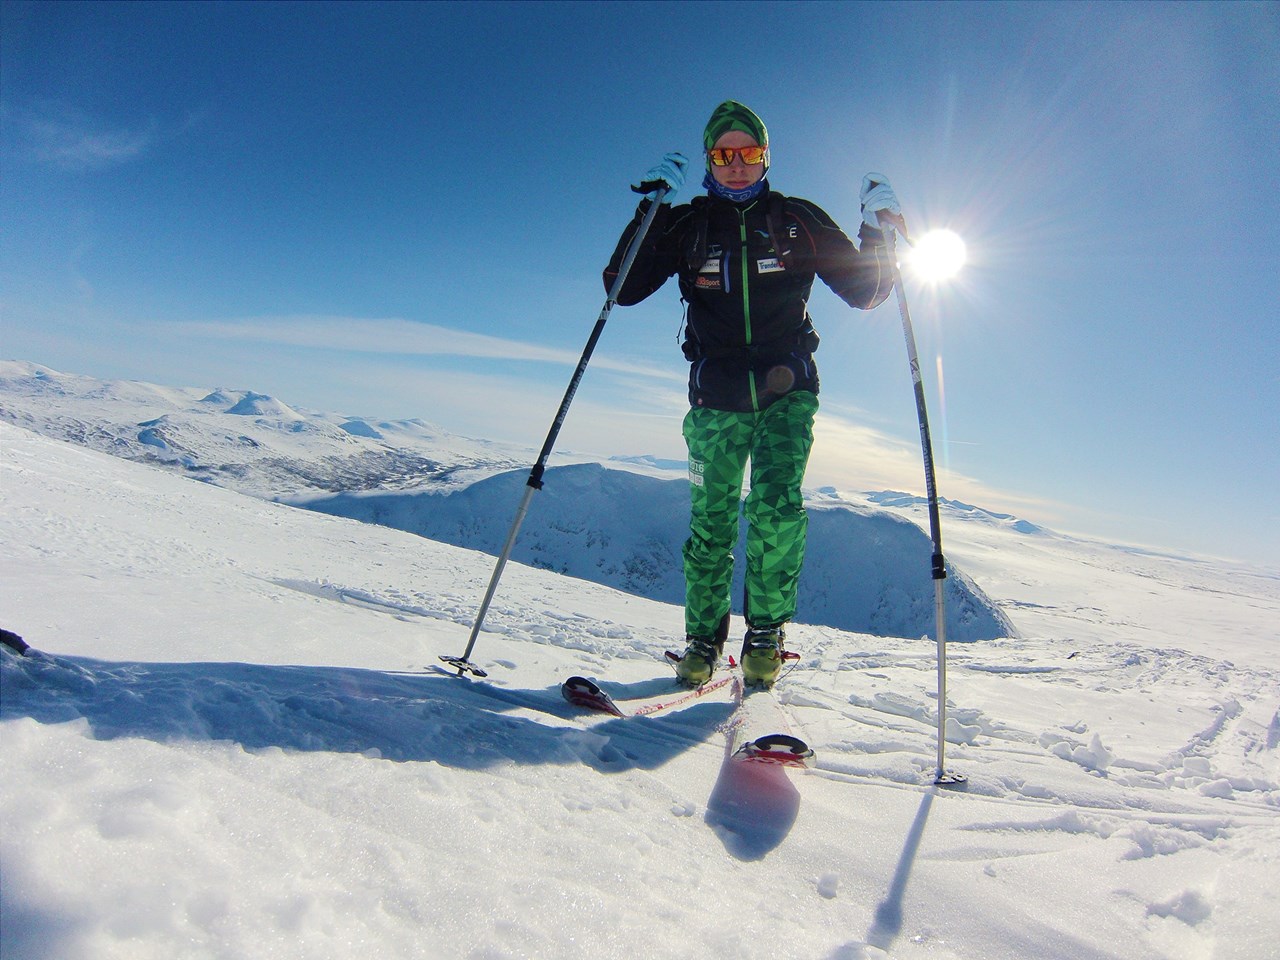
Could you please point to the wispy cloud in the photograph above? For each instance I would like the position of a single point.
(403, 338)
(70, 139)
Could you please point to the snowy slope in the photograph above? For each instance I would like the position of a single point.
(865, 570)
(237, 745)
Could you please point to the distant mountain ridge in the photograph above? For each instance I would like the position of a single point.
(247, 441)
(866, 569)
(964, 511)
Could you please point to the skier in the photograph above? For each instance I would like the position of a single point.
(746, 258)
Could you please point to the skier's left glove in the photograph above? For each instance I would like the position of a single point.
(880, 203)
(669, 174)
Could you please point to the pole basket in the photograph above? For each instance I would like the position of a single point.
(464, 666)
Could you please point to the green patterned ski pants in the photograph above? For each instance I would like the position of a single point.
(777, 441)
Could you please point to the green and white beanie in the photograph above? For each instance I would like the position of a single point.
(732, 115)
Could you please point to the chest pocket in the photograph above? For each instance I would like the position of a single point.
(791, 246)
(770, 255)
(776, 244)
(710, 275)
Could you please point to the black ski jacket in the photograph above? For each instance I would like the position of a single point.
(745, 271)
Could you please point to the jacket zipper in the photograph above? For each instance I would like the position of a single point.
(746, 306)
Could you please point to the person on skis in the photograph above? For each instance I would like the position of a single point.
(746, 258)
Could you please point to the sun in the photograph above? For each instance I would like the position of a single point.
(938, 255)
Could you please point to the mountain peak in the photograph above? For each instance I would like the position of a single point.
(261, 405)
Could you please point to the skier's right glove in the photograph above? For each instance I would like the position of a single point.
(669, 174)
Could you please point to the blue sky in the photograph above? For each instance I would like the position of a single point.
(402, 211)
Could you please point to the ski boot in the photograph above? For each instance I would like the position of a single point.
(699, 661)
(762, 654)
(701, 655)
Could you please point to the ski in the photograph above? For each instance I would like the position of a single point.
(586, 693)
(759, 730)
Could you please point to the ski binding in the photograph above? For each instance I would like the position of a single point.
(776, 748)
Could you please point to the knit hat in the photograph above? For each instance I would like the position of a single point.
(732, 115)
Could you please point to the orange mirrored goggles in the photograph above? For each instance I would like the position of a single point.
(723, 156)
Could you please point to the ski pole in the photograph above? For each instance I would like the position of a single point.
(937, 563)
(463, 663)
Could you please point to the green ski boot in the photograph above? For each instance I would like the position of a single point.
(699, 661)
(762, 655)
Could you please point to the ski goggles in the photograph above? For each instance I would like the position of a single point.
(723, 156)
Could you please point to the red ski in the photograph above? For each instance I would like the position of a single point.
(759, 710)
(582, 692)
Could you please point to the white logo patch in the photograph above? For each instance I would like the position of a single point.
(696, 470)
(769, 265)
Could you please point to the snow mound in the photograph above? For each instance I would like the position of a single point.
(222, 397)
(360, 428)
(864, 571)
(260, 405)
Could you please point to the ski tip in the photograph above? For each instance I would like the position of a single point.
(778, 748)
(580, 685)
(582, 692)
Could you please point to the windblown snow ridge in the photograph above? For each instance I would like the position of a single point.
(865, 571)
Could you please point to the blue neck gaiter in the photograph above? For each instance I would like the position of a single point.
(717, 189)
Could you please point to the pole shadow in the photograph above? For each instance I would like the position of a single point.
(887, 925)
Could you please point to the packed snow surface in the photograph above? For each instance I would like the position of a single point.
(234, 739)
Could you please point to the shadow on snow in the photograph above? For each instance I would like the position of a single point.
(395, 716)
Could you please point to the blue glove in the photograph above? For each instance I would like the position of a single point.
(669, 174)
(880, 204)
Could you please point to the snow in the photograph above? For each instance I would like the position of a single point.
(241, 439)
(260, 405)
(862, 569)
(235, 740)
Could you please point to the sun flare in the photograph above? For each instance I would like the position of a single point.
(938, 255)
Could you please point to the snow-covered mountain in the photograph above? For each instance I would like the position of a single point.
(232, 742)
(240, 439)
(865, 570)
(617, 524)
